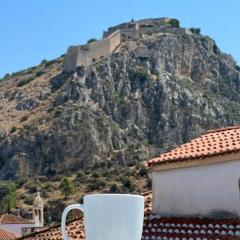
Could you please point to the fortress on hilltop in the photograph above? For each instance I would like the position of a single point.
(85, 55)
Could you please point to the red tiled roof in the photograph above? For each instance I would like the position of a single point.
(180, 228)
(12, 219)
(75, 230)
(6, 235)
(213, 143)
(148, 202)
(163, 228)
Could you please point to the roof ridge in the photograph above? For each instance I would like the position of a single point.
(146, 192)
(9, 218)
(222, 129)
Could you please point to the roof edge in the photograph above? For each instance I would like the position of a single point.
(220, 158)
(222, 129)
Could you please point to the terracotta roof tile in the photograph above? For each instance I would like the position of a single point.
(148, 202)
(12, 219)
(164, 228)
(6, 235)
(75, 231)
(179, 228)
(214, 142)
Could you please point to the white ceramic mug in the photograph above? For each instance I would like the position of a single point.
(110, 216)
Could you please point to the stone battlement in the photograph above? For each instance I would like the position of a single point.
(90, 53)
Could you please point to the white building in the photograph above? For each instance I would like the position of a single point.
(37, 215)
(14, 223)
(21, 226)
(201, 177)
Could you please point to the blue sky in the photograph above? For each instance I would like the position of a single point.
(32, 30)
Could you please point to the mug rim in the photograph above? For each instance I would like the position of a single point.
(113, 195)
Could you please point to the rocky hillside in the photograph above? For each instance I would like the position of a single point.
(155, 93)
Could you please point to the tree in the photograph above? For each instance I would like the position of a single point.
(7, 196)
(66, 187)
(92, 40)
(128, 184)
(174, 23)
(114, 188)
(143, 171)
(195, 30)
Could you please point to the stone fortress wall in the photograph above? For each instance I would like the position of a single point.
(104, 47)
(71, 58)
(90, 53)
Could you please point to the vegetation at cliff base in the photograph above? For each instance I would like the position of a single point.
(7, 196)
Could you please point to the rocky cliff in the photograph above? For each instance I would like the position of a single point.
(155, 93)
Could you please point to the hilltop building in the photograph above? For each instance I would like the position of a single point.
(195, 192)
(85, 55)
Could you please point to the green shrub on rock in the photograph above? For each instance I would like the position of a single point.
(174, 23)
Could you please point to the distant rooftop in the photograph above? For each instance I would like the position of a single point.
(12, 219)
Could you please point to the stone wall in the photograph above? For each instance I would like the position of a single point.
(83, 57)
(128, 30)
(70, 60)
(153, 21)
(130, 33)
(115, 40)
(111, 30)
(77, 56)
(104, 47)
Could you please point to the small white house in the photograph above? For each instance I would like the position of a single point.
(201, 177)
(14, 223)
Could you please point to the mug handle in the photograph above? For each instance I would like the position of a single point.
(64, 217)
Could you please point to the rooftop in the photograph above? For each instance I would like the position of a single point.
(12, 219)
(6, 235)
(213, 143)
(180, 228)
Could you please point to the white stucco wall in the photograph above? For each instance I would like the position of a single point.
(197, 190)
(15, 228)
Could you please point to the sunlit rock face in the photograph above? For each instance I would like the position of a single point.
(158, 91)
